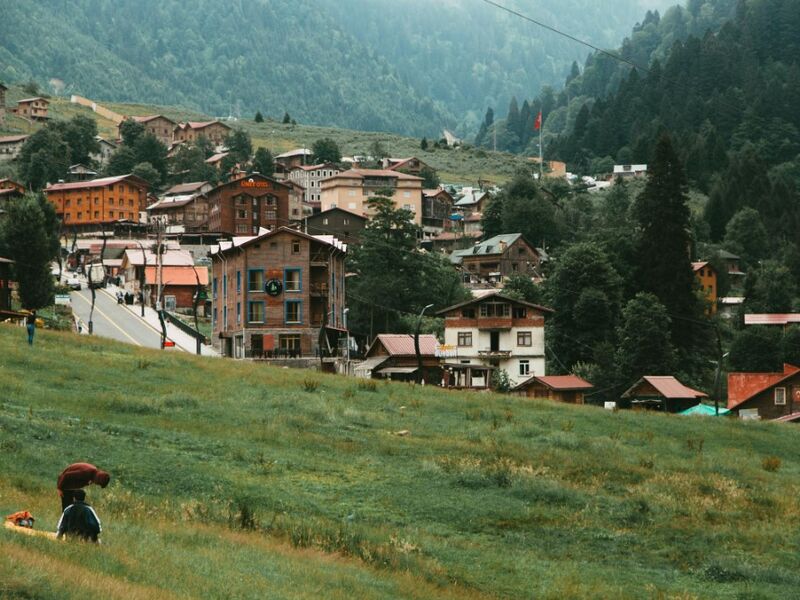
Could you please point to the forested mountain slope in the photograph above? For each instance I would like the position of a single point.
(410, 67)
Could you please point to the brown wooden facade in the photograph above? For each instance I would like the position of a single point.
(771, 395)
(272, 294)
(105, 200)
(159, 126)
(241, 206)
(191, 131)
(343, 224)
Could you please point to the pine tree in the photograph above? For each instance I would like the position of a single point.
(259, 118)
(286, 118)
(664, 266)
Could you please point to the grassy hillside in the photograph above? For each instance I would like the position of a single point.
(465, 166)
(234, 480)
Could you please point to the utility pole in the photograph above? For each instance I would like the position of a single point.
(416, 343)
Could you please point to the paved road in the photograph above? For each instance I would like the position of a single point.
(112, 320)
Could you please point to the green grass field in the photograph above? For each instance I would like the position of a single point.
(236, 480)
(462, 166)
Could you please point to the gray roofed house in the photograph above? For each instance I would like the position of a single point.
(494, 260)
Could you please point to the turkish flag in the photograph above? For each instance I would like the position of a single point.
(538, 123)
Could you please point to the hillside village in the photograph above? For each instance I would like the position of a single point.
(262, 257)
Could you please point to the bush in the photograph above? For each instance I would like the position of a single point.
(771, 463)
(310, 385)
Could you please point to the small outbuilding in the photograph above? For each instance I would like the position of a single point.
(661, 392)
(560, 388)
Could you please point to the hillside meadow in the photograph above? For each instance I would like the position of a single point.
(461, 166)
(237, 480)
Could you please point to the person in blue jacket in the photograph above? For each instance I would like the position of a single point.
(79, 520)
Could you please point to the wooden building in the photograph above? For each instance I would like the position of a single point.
(559, 388)
(394, 356)
(496, 259)
(411, 165)
(158, 125)
(241, 206)
(33, 109)
(9, 190)
(105, 200)
(343, 224)
(437, 206)
(11, 146)
(183, 208)
(278, 294)
(663, 393)
(294, 158)
(191, 131)
(765, 395)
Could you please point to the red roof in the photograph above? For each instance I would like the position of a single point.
(362, 173)
(564, 382)
(150, 118)
(667, 386)
(403, 344)
(696, 266)
(177, 275)
(771, 318)
(102, 182)
(744, 386)
(10, 139)
(795, 416)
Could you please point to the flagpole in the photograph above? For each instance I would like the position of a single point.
(541, 151)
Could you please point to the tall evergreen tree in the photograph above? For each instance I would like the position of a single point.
(263, 162)
(664, 266)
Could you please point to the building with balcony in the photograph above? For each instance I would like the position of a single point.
(437, 206)
(11, 146)
(278, 294)
(191, 131)
(241, 206)
(490, 333)
(352, 190)
(161, 127)
(496, 259)
(33, 109)
(345, 225)
(182, 208)
(310, 176)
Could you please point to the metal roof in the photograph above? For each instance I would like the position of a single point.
(403, 344)
(667, 386)
(771, 318)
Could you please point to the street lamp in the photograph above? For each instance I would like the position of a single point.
(416, 343)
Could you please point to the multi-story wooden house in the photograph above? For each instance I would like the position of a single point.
(34, 109)
(437, 206)
(107, 148)
(411, 165)
(294, 158)
(11, 146)
(706, 276)
(500, 257)
(105, 200)
(160, 126)
(278, 294)
(765, 395)
(182, 208)
(241, 206)
(491, 333)
(353, 189)
(9, 190)
(214, 131)
(343, 224)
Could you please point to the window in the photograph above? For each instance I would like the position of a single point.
(214, 288)
(406, 194)
(295, 247)
(468, 313)
(345, 221)
(238, 312)
(225, 285)
(780, 396)
(524, 367)
(238, 282)
(524, 338)
(242, 228)
(111, 213)
(351, 205)
(351, 192)
(325, 221)
(255, 280)
(294, 311)
(465, 338)
(255, 312)
(66, 202)
(96, 214)
(520, 312)
(224, 317)
(289, 342)
(495, 309)
(292, 280)
(241, 214)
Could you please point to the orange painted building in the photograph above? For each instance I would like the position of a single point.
(100, 200)
(707, 277)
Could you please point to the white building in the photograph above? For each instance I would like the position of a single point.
(310, 176)
(494, 332)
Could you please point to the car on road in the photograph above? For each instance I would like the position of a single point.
(74, 283)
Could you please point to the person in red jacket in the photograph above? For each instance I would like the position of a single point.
(78, 476)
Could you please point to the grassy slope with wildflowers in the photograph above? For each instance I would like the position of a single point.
(236, 480)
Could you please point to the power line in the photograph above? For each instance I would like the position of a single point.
(566, 35)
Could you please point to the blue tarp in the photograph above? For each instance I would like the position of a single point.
(704, 410)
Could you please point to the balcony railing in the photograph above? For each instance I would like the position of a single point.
(318, 289)
(494, 353)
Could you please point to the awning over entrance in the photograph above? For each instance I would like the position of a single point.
(397, 370)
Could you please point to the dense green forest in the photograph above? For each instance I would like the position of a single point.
(411, 67)
(650, 41)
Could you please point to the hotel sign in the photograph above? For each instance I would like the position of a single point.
(254, 183)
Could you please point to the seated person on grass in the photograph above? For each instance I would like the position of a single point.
(79, 520)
